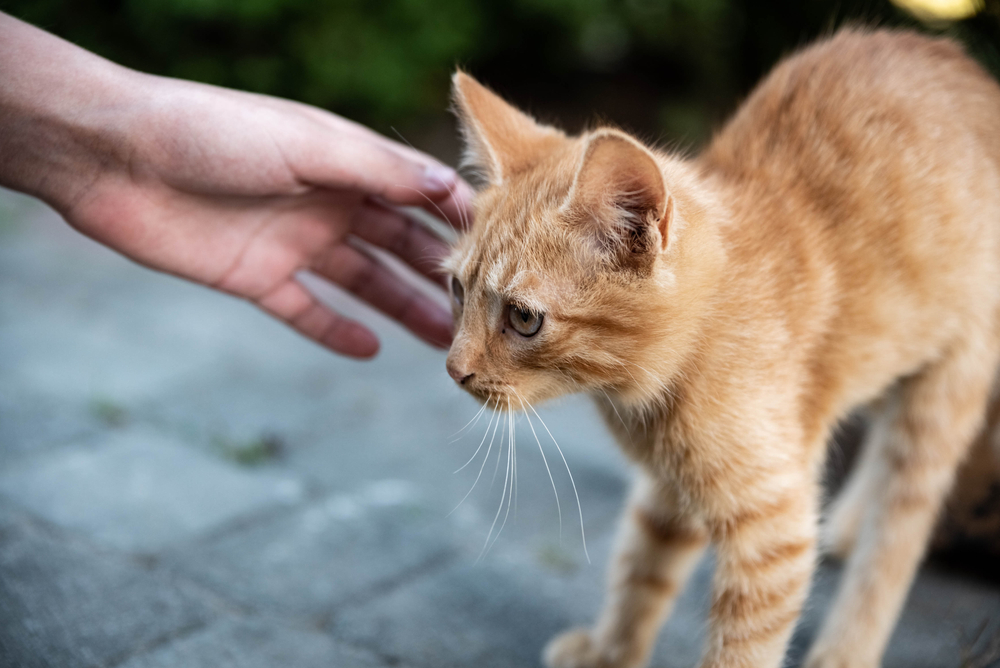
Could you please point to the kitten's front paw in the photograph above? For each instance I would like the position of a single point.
(573, 649)
(836, 658)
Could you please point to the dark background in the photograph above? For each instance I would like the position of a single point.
(670, 70)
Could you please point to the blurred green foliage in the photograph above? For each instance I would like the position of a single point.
(659, 66)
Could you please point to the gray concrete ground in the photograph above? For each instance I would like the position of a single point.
(185, 482)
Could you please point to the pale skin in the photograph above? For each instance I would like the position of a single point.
(236, 191)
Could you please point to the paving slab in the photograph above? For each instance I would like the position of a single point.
(938, 627)
(256, 643)
(335, 523)
(78, 320)
(64, 605)
(422, 446)
(336, 549)
(30, 423)
(469, 615)
(140, 490)
(501, 611)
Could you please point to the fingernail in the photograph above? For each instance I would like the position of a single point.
(439, 178)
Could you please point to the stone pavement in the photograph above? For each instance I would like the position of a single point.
(186, 483)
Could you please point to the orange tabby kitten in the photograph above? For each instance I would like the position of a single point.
(837, 244)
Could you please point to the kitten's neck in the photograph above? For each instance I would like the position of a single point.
(684, 300)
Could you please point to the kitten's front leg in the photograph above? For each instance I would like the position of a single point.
(765, 558)
(657, 550)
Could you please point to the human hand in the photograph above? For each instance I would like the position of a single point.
(240, 192)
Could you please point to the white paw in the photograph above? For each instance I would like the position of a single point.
(572, 649)
(836, 658)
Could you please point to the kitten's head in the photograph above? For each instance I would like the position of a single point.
(568, 279)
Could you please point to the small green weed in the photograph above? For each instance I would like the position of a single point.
(556, 558)
(109, 412)
(252, 451)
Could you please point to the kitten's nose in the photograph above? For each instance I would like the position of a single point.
(459, 374)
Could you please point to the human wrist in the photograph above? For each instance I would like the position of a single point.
(64, 114)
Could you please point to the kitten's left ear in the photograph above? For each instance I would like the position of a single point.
(620, 194)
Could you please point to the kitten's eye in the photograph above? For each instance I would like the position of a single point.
(457, 293)
(525, 323)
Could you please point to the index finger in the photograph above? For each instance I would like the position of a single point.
(358, 161)
(445, 195)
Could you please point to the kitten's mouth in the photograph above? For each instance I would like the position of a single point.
(500, 399)
(494, 399)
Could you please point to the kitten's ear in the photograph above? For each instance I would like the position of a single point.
(500, 140)
(619, 194)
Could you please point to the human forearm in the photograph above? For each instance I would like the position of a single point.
(64, 114)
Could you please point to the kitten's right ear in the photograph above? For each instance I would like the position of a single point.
(619, 197)
(499, 140)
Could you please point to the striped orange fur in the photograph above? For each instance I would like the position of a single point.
(836, 245)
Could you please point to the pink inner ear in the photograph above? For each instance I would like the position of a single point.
(621, 183)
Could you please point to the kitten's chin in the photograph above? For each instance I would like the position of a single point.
(511, 399)
(494, 398)
(507, 399)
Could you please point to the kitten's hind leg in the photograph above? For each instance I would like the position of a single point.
(929, 424)
(656, 553)
(842, 520)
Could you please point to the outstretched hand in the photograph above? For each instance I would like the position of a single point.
(241, 192)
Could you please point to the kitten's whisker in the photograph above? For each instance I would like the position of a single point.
(622, 365)
(480, 443)
(583, 533)
(615, 408)
(503, 496)
(638, 366)
(463, 217)
(474, 419)
(436, 257)
(481, 467)
(462, 220)
(547, 469)
(401, 137)
(433, 203)
(511, 459)
(496, 468)
(514, 443)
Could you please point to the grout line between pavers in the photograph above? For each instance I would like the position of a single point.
(165, 639)
(435, 563)
(151, 564)
(244, 521)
